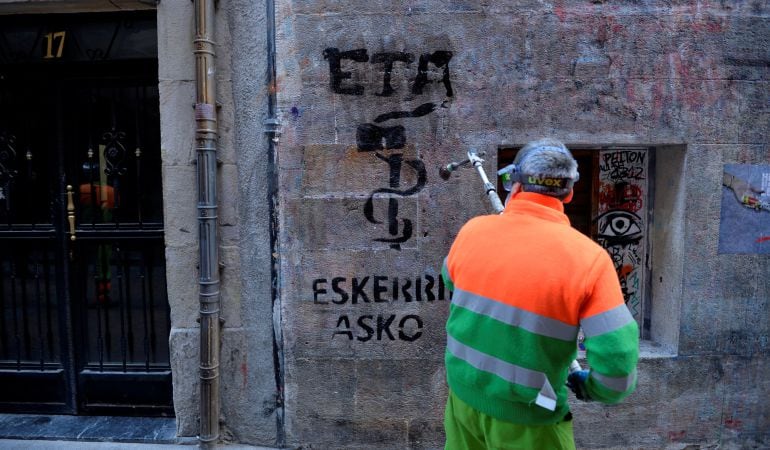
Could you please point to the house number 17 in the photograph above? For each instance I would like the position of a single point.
(50, 38)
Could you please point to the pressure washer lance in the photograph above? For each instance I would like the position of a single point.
(474, 159)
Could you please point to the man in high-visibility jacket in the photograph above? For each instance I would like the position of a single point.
(524, 282)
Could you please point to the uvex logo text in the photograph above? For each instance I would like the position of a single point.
(544, 181)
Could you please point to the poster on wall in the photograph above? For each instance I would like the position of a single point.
(622, 221)
(745, 215)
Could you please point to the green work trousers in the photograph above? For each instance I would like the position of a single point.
(469, 429)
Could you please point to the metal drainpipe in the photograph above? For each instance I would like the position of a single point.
(206, 146)
(273, 131)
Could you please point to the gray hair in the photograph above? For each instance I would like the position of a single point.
(547, 158)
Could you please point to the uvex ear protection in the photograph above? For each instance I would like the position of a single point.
(512, 173)
(507, 175)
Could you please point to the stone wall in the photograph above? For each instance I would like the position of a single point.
(375, 96)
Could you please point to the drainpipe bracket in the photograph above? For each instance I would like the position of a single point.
(272, 126)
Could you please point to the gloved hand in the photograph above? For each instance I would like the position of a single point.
(576, 381)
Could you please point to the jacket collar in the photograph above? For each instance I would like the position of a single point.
(539, 205)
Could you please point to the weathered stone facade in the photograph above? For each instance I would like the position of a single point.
(374, 97)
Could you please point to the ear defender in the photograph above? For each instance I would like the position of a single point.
(509, 175)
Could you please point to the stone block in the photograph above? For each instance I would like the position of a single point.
(399, 388)
(228, 200)
(177, 118)
(346, 434)
(247, 380)
(336, 170)
(180, 201)
(341, 223)
(176, 29)
(226, 147)
(182, 285)
(427, 433)
(184, 343)
(230, 284)
(325, 391)
(744, 417)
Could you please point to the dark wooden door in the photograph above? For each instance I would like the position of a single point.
(84, 317)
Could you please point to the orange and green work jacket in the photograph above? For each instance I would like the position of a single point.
(524, 282)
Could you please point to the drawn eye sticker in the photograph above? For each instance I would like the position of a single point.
(620, 227)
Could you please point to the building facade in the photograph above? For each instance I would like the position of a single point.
(332, 219)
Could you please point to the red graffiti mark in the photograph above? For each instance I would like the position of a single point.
(692, 89)
(245, 373)
(676, 435)
(560, 11)
(763, 239)
(733, 424)
(625, 270)
(711, 26)
(625, 196)
(605, 27)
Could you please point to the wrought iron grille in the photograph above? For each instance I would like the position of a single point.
(29, 306)
(123, 288)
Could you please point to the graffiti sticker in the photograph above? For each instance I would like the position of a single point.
(745, 215)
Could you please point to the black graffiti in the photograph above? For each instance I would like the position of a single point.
(622, 254)
(623, 165)
(381, 331)
(378, 289)
(388, 59)
(395, 163)
(439, 58)
(334, 56)
(370, 137)
(626, 173)
(422, 110)
(615, 159)
(620, 233)
(619, 227)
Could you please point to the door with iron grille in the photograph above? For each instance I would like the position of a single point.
(84, 317)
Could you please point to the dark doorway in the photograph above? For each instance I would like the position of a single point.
(84, 317)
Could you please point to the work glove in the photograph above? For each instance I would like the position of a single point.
(576, 381)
